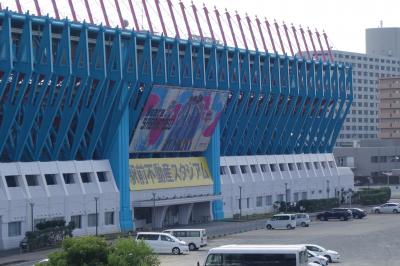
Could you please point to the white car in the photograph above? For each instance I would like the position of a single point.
(163, 243)
(331, 255)
(314, 257)
(390, 207)
(281, 221)
(303, 219)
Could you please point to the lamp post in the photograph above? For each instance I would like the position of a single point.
(240, 202)
(327, 188)
(154, 210)
(32, 204)
(97, 216)
(286, 197)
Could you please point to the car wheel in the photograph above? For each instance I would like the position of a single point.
(289, 226)
(192, 247)
(329, 258)
(377, 211)
(269, 227)
(321, 218)
(303, 224)
(342, 218)
(176, 251)
(395, 211)
(325, 218)
(356, 216)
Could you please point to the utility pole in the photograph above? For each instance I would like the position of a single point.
(240, 202)
(97, 215)
(286, 197)
(33, 223)
(327, 188)
(154, 209)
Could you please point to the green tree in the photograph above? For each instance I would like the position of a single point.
(128, 252)
(95, 251)
(81, 251)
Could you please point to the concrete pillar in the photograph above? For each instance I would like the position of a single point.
(159, 216)
(119, 160)
(213, 154)
(184, 213)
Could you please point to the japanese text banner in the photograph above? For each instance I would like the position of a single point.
(160, 173)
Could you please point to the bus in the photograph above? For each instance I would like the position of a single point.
(257, 255)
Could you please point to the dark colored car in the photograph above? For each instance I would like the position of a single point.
(357, 213)
(341, 214)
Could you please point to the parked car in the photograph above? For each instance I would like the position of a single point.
(195, 238)
(303, 219)
(282, 221)
(331, 255)
(163, 242)
(390, 207)
(314, 257)
(358, 213)
(340, 214)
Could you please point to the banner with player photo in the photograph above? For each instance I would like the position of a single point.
(178, 119)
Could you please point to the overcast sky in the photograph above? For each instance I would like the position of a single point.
(344, 21)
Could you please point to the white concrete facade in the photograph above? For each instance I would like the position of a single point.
(57, 190)
(262, 179)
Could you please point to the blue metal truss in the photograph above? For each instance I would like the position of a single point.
(72, 91)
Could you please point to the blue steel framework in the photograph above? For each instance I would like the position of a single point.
(72, 91)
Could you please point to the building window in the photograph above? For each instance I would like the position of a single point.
(109, 218)
(253, 168)
(299, 166)
(243, 169)
(273, 167)
(12, 180)
(32, 180)
(14, 229)
(77, 220)
(308, 165)
(291, 166)
(102, 176)
(263, 168)
(232, 168)
(268, 200)
(92, 219)
(223, 170)
(323, 165)
(331, 165)
(50, 179)
(69, 178)
(86, 178)
(282, 167)
(248, 203)
(259, 201)
(316, 165)
(279, 197)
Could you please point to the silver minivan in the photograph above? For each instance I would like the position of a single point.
(282, 221)
(303, 219)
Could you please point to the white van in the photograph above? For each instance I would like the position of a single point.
(266, 255)
(195, 238)
(282, 221)
(163, 242)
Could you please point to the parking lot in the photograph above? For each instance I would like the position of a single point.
(374, 240)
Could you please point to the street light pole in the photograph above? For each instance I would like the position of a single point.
(97, 216)
(154, 209)
(32, 204)
(286, 197)
(240, 202)
(327, 188)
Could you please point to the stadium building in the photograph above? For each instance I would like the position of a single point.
(120, 130)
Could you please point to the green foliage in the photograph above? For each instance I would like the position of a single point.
(127, 252)
(49, 234)
(318, 204)
(94, 251)
(372, 196)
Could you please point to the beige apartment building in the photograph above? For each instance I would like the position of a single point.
(389, 115)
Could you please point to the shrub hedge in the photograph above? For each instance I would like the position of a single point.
(371, 196)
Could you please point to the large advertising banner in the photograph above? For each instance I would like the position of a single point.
(168, 173)
(178, 120)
